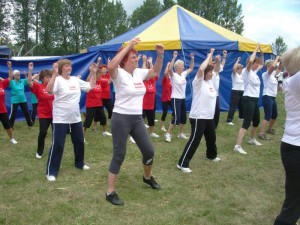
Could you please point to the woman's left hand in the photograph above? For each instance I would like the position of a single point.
(159, 49)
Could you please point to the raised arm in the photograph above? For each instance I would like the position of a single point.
(29, 78)
(234, 69)
(218, 64)
(251, 59)
(144, 66)
(10, 71)
(224, 58)
(114, 63)
(171, 65)
(155, 70)
(166, 72)
(93, 71)
(150, 62)
(189, 70)
(203, 65)
(50, 85)
(261, 65)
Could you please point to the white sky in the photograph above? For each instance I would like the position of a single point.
(264, 20)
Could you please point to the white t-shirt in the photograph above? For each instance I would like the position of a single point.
(291, 90)
(237, 82)
(66, 99)
(130, 90)
(204, 99)
(178, 85)
(270, 84)
(251, 83)
(216, 79)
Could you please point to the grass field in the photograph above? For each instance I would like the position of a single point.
(241, 189)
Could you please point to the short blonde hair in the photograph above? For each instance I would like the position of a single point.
(15, 72)
(239, 66)
(177, 63)
(61, 63)
(269, 62)
(290, 60)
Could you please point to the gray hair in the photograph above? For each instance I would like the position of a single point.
(269, 62)
(290, 60)
(15, 72)
(177, 63)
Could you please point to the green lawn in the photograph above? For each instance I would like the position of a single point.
(241, 189)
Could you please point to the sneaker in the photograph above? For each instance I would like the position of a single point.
(114, 199)
(230, 123)
(146, 126)
(13, 141)
(84, 140)
(239, 149)
(163, 129)
(154, 135)
(132, 140)
(184, 169)
(182, 136)
(168, 137)
(106, 133)
(85, 167)
(217, 159)
(51, 178)
(151, 182)
(38, 156)
(271, 131)
(263, 137)
(253, 141)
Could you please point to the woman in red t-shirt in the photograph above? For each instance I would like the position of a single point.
(105, 85)
(44, 107)
(4, 83)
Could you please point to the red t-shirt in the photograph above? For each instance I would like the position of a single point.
(45, 100)
(105, 86)
(93, 97)
(3, 84)
(149, 97)
(166, 89)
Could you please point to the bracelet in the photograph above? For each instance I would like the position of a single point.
(160, 56)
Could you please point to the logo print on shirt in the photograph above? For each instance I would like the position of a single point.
(138, 85)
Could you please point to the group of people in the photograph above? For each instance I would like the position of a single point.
(58, 94)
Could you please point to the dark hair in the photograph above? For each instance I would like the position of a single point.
(208, 69)
(126, 56)
(45, 73)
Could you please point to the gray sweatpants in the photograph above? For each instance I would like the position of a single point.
(123, 125)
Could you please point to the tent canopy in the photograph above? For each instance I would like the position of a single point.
(4, 51)
(178, 28)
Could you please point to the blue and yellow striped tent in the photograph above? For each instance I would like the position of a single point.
(181, 30)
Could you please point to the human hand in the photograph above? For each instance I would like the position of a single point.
(149, 60)
(224, 53)
(175, 54)
(192, 55)
(9, 65)
(30, 66)
(239, 59)
(160, 49)
(134, 41)
(144, 57)
(55, 68)
(98, 60)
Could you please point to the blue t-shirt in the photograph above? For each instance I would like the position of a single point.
(17, 91)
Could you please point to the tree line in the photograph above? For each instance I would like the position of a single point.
(62, 27)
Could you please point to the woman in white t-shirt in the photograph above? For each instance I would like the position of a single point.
(66, 114)
(269, 97)
(201, 116)
(127, 113)
(290, 143)
(237, 92)
(250, 100)
(178, 81)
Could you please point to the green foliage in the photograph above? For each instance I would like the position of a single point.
(279, 46)
(167, 4)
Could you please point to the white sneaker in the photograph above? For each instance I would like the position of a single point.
(184, 169)
(217, 159)
(84, 140)
(230, 123)
(239, 149)
(146, 126)
(182, 136)
(85, 167)
(51, 178)
(13, 141)
(154, 135)
(168, 137)
(106, 133)
(253, 141)
(132, 140)
(163, 129)
(155, 120)
(38, 156)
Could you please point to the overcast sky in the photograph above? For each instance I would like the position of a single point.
(264, 20)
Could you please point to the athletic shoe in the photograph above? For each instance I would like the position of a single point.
(253, 141)
(114, 199)
(85, 167)
(132, 140)
(263, 137)
(13, 141)
(163, 129)
(151, 182)
(38, 156)
(230, 123)
(168, 137)
(154, 135)
(184, 169)
(239, 149)
(106, 133)
(146, 126)
(51, 178)
(271, 131)
(217, 159)
(182, 136)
